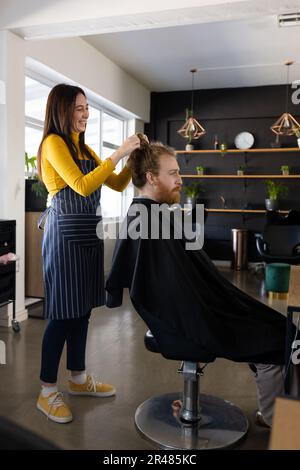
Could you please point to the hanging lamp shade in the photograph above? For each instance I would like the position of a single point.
(191, 129)
(286, 124)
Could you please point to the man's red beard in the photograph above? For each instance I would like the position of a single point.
(162, 194)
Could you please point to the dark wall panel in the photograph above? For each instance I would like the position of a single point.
(226, 112)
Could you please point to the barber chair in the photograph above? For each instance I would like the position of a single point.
(280, 240)
(202, 422)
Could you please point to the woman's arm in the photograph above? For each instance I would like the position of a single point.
(57, 153)
(119, 181)
(116, 181)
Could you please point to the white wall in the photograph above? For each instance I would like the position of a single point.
(79, 61)
(12, 153)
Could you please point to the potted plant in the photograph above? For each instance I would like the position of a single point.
(241, 170)
(35, 191)
(274, 191)
(200, 170)
(189, 146)
(297, 134)
(193, 192)
(285, 170)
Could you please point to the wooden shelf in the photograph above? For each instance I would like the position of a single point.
(237, 211)
(243, 177)
(244, 211)
(264, 150)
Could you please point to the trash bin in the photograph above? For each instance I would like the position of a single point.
(239, 247)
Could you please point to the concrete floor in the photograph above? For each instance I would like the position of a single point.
(116, 354)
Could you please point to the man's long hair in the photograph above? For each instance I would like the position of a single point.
(58, 120)
(146, 158)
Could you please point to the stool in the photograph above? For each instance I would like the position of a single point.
(277, 278)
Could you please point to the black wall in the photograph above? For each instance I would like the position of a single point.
(226, 112)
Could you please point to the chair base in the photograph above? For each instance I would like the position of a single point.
(222, 424)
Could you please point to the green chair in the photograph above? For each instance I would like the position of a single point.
(277, 277)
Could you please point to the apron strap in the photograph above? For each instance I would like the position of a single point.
(43, 217)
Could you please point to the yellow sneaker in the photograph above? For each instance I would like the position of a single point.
(92, 388)
(55, 408)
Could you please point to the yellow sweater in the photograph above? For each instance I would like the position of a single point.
(59, 169)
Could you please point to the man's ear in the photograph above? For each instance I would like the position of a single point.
(151, 178)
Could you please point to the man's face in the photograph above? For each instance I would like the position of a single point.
(168, 183)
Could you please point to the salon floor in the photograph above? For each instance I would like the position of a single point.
(116, 354)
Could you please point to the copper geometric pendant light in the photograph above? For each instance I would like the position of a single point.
(191, 129)
(286, 124)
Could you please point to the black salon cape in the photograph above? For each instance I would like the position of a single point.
(193, 312)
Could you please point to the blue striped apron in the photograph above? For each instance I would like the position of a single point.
(72, 253)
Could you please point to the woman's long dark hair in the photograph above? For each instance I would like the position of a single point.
(58, 120)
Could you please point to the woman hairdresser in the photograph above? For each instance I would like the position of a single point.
(72, 252)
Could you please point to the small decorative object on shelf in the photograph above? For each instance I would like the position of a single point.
(216, 142)
(189, 146)
(285, 170)
(277, 143)
(244, 140)
(200, 170)
(274, 191)
(223, 148)
(297, 134)
(223, 202)
(241, 170)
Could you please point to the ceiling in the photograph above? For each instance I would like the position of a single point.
(233, 43)
(236, 53)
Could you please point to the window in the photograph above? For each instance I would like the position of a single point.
(33, 139)
(104, 134)
(36, 94)
(92, 133)
(114, 204)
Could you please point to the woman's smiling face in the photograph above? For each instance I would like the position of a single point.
(80, 114)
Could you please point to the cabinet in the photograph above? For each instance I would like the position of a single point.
(8, 271)
(34, 286)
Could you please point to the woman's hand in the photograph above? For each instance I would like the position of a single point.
(130, 144)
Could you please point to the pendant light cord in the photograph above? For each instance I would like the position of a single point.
(193, 71)
(192, 104)
(287, 89)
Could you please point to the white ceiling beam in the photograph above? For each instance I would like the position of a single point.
(18, 14)
(69, 18)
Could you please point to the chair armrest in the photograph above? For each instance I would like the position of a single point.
(260, 245)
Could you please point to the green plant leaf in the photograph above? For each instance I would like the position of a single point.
(275, 189)
(39, 189)
(194, 190)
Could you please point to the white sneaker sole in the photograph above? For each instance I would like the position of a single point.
(94, 394)
(54, 418)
